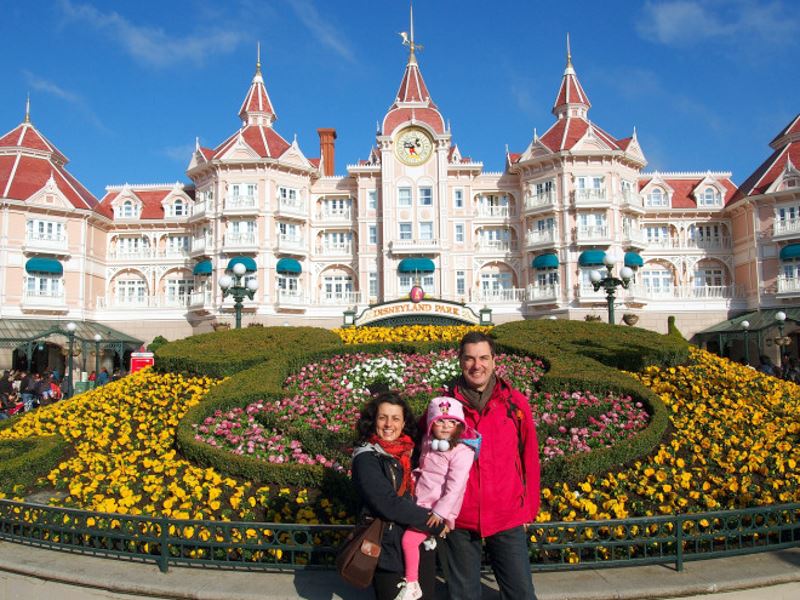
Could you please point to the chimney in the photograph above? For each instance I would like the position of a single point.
(327, 150)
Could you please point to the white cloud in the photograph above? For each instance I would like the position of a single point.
(152, 45)
(324, 31)
(735, 22)
(182, 153)
(45, 86)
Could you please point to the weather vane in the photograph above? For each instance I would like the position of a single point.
(408, 39)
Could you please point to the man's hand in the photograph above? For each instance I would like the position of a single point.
(445, 531)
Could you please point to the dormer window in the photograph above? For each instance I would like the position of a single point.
(178, 208)
(710, 197)
(656, 197)
(128, 210)
(791, 182)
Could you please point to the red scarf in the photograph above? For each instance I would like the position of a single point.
(400, 449)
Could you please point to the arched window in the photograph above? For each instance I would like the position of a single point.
(710, 197)
(127, 209)
(656, 197)
(178, 208)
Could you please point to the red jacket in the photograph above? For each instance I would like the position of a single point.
(496, 498)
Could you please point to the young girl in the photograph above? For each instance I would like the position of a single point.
(444, 466)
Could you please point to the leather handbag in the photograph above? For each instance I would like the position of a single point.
(358, 557)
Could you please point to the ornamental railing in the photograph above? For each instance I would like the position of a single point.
(287, 546)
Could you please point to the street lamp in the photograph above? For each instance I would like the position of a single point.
(781, 341)
(746, 326)
(233, 286)
(97, 338)
(71, 327)
(610, 283)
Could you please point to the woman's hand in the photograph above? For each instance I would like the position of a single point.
(445, 531)
(434, 520)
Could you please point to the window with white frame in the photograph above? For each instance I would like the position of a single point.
(791, 269)
(404, 197)
(406, 231)
(461, 283)
(128, 210)
(497, 281)
(790, 182)
(710, 197)
(372, 280)
(44, 285)
(288, 194)
(288, 231)
(245, 230)
(337, 286)
(179, 290)
(544, 188)
(131, 291)
(408, 280)
(372, 199)
(589, 182)
(458, 198)
(706, 233)
(592, 221)
(372, 234)
(657, 234)
(787, 213)
(547, 277)
(177, 209)
(43, 230)
(544, 225)
(133, 246)
(626, 186)
(178, 244)
(426, 230)
(708, 277)
(339, 240)
(288, 282)
(425, 196)
(657, 197)
(459, 235)
(657, 279)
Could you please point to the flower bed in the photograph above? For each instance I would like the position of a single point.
(407, 333)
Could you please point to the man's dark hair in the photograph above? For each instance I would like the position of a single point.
(476, 337)
(365, 428)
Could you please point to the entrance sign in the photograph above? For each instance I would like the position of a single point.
(140, 360)
(424, 311)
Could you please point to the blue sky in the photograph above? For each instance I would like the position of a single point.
(123, 88)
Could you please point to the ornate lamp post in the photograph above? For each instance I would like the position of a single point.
(746, 326)
(97, 338)
(781, 341)
(71, 327)
(610, 283)
(234, 286)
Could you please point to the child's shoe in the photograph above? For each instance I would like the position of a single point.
(409, 590)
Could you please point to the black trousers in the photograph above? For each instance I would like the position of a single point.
(386, 583)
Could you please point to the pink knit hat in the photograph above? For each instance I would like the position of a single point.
(443, 407)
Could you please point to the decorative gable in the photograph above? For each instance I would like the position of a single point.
(50, 196)
(709, 192)
(127, 205)
(240, 150)
(293, 156)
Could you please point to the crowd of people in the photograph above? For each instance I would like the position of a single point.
(475, 488)
(788, 369)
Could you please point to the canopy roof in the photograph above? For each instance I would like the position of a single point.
(759, 320)
(416, 265)
(288, 265)
(633, 260)
(791, 251)
(545, 261)
(16, 331)
(248, 262)
(38, 264)
(202, 268)
(591, 258)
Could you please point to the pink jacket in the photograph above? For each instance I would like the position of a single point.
(442, 479)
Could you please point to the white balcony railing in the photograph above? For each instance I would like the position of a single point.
(35, 299)
(201, 299)
(132, 254)
(234, 239)
(499, 295)
(343, 298)
(331, 249)
(291, 297)
(335, 214)
(788, 285)
(241, 203)
(489, 211)
(538, 201)
(590, 196)
(136, 302)
(631, 198)
(633, 235)
(536, 293)
(587, 292)
(496, 245)
(288, 242)
(174, 253)
(292, 207)
(696, 292)
(786, 227)
(591, 233)
(537, 237)
(709, 243)
(201, 244)
(42, 242)
(662, 242)
(415, 245)
(201, 208)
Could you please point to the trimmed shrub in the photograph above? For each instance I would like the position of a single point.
(22, 462)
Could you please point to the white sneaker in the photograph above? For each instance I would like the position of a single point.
(409, 590)
(429, 544)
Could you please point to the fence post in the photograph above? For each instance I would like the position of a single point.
(679, 543)
(163, 560)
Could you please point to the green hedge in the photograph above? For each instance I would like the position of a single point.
(22, 462)
(580, 356)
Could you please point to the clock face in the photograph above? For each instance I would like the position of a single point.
(413, 146)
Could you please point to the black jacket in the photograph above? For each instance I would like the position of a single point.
(372, 476)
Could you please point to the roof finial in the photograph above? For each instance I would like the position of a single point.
(258, 57)
(28, 109)
(197, 144)
(408, 39)
(569, 52)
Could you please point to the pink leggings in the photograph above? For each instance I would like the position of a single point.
(411, 541)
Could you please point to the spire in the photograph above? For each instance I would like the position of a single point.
(257, 108)
(571, 94)
(28, 109)
(412, 87)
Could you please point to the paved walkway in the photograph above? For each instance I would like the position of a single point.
(28, 573)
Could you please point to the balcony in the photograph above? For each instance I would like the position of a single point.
(720, 243)
(629, 199)
(662, 243)
(200, 210)
(540, 202)
(586, 293)
(331, 249)
(542, 293)
(591, 197)
(342, 298)
(176, 253)
(414, 246)
(247, 240)
(241, 205)
(291, 298)
(138, 302)
(788, 286)
(633, 238)
(130, 254)
(593, 234)
(488, 211)
(498, 296)
(788, 228)
(200, 301)
(291, 243)
(697, 292)
(292, 208)
(46, 244)
(201, 247)
(335, 214)
(44, 301)
(495, 246)
(541, 237)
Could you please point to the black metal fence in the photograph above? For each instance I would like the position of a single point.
(288, 546)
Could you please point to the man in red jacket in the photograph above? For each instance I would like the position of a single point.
(502, 495)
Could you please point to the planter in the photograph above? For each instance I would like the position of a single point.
(630, 319)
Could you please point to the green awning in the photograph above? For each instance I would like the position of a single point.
(13, 332)
(289, 265)
(202, 268)
(633, 260)
(759, 320)
(791, 251)
(545, 261)
(247, 261)
(591, 258)
(416, 265)
(44, 265)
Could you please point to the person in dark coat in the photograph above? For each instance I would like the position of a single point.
(382, 477)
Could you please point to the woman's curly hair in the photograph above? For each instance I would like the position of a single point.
(365, 428)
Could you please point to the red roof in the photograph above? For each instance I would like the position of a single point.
(151, 200)
(406, 106)
(571, 91)
(792, 129)
(207, 152)
(412, 87)
(685, 187)
(257, 99)
(514, 157)
(262, 139)
(429, 116)
(26, 135)
(314, 162)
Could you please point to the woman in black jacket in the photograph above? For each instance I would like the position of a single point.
(382, 477)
